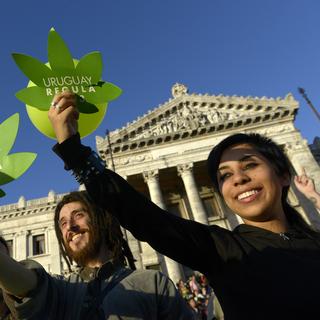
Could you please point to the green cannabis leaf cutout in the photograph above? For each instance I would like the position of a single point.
(61, 73)
(12, 166)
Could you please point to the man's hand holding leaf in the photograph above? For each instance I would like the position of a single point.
(63, 73)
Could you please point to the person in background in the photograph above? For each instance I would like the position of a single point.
(183, 290)
(194, 285)
(193, 307)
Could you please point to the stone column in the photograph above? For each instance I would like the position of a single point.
(134, 244)
(152, 180)
(134, 247)
(198, 210)
(21, 245)
(54, 251)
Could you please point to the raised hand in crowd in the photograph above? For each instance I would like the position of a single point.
(64, 115)
(306, 186)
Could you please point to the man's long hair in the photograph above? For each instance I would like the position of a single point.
(277, 158)
(106, 227)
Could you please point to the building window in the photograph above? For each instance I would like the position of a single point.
(177, 208)
(38, 244)
(212, 206)
(10, 247)
(174, 208)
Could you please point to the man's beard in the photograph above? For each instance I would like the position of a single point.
(90, 252)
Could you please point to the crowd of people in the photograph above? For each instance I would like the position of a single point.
(197, 292)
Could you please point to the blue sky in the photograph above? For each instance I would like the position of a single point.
(232, 47)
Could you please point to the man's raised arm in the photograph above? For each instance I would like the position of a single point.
(15, 279)
(165, 232)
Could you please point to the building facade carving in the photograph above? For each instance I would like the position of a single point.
(163, 155)
(179, 90)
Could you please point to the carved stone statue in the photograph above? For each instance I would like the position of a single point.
(179, 90)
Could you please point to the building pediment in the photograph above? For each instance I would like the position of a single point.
(196, 114)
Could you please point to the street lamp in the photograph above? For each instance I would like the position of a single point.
(110, 150)
(304, 95)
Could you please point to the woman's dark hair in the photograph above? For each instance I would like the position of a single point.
(274, 154)
(106, 226)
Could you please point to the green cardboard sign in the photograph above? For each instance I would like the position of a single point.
(12, 166)
(62, 73)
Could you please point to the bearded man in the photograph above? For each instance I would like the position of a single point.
(101, 287)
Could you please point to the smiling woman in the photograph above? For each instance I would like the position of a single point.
(250, 186)
(252, 175)
(266, 268)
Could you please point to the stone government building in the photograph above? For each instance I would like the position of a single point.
(163, 155)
